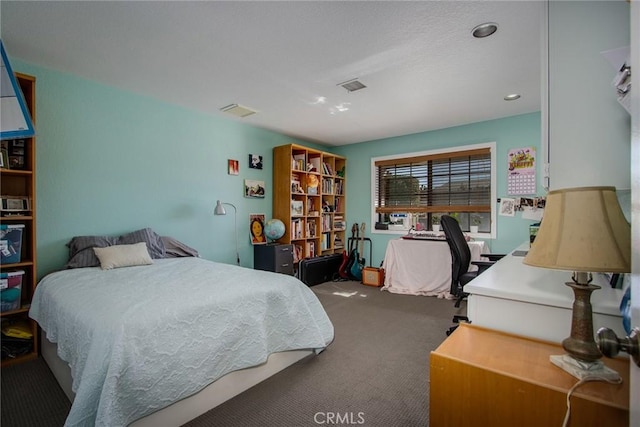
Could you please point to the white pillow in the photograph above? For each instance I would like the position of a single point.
(123, 255)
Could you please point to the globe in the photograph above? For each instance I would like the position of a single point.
(274, 229)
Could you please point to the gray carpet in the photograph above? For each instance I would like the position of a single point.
(375, 373)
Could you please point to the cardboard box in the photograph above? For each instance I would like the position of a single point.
(372, 276)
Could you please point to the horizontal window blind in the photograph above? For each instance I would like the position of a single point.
(445, 182)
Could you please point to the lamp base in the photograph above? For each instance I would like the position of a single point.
(581, 370)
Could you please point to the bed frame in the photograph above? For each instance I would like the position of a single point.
(184, 410)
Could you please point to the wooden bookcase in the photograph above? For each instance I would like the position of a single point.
(20, 181)
(309, 197)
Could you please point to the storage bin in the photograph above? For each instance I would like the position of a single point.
(11, 243)
(10, 290)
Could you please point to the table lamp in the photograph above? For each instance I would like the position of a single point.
(583, 230)
(220, 210)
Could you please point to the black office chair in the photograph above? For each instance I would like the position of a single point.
(461, 258)
(460, 262)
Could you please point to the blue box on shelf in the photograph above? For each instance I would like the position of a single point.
(11, 243)
(10, 290)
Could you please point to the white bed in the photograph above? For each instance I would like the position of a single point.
(161, 344)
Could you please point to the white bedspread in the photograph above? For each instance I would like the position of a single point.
(140, 338)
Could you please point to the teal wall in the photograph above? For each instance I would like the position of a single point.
(512, 132)
(111, 161)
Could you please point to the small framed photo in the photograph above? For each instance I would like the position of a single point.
(233, 167)
(255, 161)
(253, 189)
(16, 162)
(297, 208)
(256, 229)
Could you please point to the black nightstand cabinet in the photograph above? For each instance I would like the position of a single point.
(274, 257)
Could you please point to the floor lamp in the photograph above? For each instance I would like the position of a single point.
(220, 210)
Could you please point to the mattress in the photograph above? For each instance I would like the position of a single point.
(138, 339)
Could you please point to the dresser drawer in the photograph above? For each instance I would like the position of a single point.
(274, 257)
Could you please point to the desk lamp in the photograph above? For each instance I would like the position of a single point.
(220, 210)
(583, 230)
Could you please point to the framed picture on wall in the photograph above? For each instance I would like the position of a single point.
(233, 167)
(255, 161)
(256, 229)
(253, 189)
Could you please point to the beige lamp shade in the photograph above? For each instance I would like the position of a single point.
(583, 229)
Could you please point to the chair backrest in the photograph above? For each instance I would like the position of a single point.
(460, 252)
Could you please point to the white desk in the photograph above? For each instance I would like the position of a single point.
(535, 302)
(422, 267)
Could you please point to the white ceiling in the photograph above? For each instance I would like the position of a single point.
(422, 68)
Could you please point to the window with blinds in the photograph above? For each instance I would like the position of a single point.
(427, 185)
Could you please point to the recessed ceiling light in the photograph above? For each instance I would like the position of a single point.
(484, 30)
(238, 110)
(512, 97)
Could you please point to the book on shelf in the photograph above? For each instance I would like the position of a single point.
(337, 204)
(298, 162)
(298, 253)
(297, 227)
(311, 228)
(327, 186)
(324, 241)
(337, 242)
(337, 188)
(326, 222)
(327, 169)
(311, 248)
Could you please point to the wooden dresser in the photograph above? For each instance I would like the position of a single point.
(483, 377)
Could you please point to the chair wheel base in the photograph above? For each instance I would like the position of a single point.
(457, 319)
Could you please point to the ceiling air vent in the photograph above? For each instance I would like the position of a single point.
(352, 85)
(238, 110)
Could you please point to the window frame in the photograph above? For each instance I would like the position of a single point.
(494, 191)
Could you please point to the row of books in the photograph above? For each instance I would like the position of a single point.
(299, 162)
(327, 169)
(297, 228)
(311, 248)
(325, 242)
(326, 222)
(297, 207)
(301, 229)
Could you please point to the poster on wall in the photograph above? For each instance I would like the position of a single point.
(256, 229)
(253, 189)
(521, 177)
